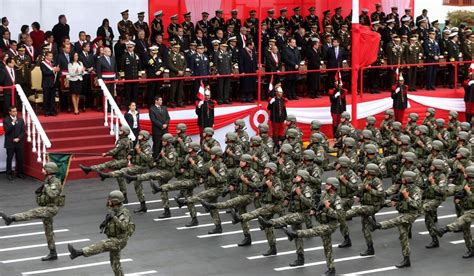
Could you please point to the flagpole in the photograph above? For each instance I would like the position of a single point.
(355, 59)
(259, 54)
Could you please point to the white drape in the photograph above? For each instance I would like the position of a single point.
(196, 7)
(451, 104)
(401, 4)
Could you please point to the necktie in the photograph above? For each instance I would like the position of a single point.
(108, 60)
(337, 52)
(6, 42)
(67, 57)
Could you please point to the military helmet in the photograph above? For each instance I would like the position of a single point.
(437, 145)
(116, 197)
(145, 134)
(422, 129)
(208, 131)
(316, 138)
(453, 114)
(371, 120)
(272, 166)
(292, 133)
(345, 130)
(50, 168)
(240, 123)
(440, 122)
(349, 142)
(409, 176)
(195, 146)
(334, 182)
(309, 155)
(465, 153)
(397, 125)
(344, 161)
(246, 158)
(413, 116)
(182, 127)
(167, 137)
(315, 124)
(346, 115)
(463, 136)
(367, 134)
(405, 139)
(291, 118)
(256, 140)
(371, 149)
(304, 174)
(125, 130)
(431, 110)
(263, 128)
(372, 169)
(410, 156)
(216, 150)
(470, 171)
(231, 136)
(438, 164)
(286, 148)
(465, 126)
(389, 112)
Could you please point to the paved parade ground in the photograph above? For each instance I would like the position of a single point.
(166, 247)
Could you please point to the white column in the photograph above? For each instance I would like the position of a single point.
(34, 138)
(39, 148)
(106, 123)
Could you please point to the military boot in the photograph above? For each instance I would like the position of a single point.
(142, 208)
(299, 260)
(193, 222)
(264, 223)
(290, 233)
(330, 272)
(155, 187)
(272, 251)
(103, 175)
(346, 243)
(441, 231)
(370, 250)
(8, 219)
(434, 242)
(85, 169)
(469, 254)
(373, 225)
(246, 241)
(129, 178)
(166, 213)
(125, 198)
(51, 256)
(180, 201)
(74, 252)
(216, 230)
(208, 206)
(404, 263)
(235, 216)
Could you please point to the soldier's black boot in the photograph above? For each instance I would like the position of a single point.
(216, 230)
(208, 206)
(193, 222)
(346, 243)
(8, 219)
(373, 225)
(370, 250)
(129, 178)
(469, 254)
(125, 198)
(235, 216)
(85, 169)
(264, 223)
(272, 251)
(74, 253)
(246, 241)
(441, 231)
(180, 201)
(404, 263)
(330, 272)
(299, 260)
(166, 213)
(103, 175)
(155, 188)
(142, 208)
(434, 243)
(290, 233)
(51, 256)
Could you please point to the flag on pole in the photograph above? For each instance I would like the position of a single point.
(201, 91)
(397, 74)
(63, 161)
(270, 86)
(339, 77)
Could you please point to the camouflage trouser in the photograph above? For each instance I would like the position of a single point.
(429, 207)
(346, 203)
(324, 231)
(364, 211)
(162, 175)
(452, 190)
(185, 184)
(266, 211)
(295, 219)
(464, 223)
(392, 189)
(46, 214)
(114, 165)
(112, 245)
(240, 202)
(403, 222)
(133, 170)
(210, 195)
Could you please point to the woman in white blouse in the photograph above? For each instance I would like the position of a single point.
(76, 70)
(133, 118)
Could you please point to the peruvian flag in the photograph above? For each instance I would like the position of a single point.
(270, 86)
(201, 91)
(397, 74)
(338, 78)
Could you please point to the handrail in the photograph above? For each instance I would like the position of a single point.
(35, 131)
(115, 113)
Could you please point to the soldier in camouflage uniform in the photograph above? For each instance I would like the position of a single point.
(214, 177)
(140, 161)
(328, 214)
(453, 123)
(392, 144)
(466, 199)
(433, 195)
(441, 133)
(208, 143)
(461, 141)
(122, 149)
(242, 135)
(349, 182)
(367, 138)
(286, 167)
(316, 128)
(317, 146)
(271, 196)
(370, 125)
(293, 140)
(430, 120)
(181, 143)
(408, 162)
(117, 226)
(349, 150)
(232, 154)
(291, 124)
(457, 177)
(371, 196)
(259, 156)
(267, 142)
(50, 198)
(344, 132)
(371, 155)
(246, 186)
(386, 127)
(437, 152)
(408, 204)
(300, 202)
(345, 121)
(315, 182)
(411, 126)
(422, 143)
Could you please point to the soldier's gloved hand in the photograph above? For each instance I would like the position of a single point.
(39, 190)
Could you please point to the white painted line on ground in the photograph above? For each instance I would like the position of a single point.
(40, 245)
(439, 217)
(186, 216)
(206, 225)
(391, 212)
(29, 259)
(371, 271)
(457, 242)
(321, 263)
(21, 225)
(226, 233)
(31, 234)
(426, 232)
(253, 242)
(171, 208)
(147, 202)
(288, 252)
(142, 273)
(71, 267)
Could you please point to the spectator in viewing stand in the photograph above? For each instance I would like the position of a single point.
(133, 119)
(76, 71)
(14, 127)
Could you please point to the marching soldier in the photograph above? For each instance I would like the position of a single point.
(376, 134)
(188, 26)
(157, 25)
(286, 166)
(177, 66)
(117, 226)
(208, 143)
(217, 22)
(126, 26)
(50, 198)
(430, 121)
(232, 154)
(259, 155)
(317, 145)
(142, 25)
(311, 19)
(411, 125)
(267, 142)
(337, 20)
(243, 136)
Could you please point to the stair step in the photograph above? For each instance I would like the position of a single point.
(85, 122)
(77, 131)
(83, 149)
(97, 140)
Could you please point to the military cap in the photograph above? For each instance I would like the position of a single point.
(372, 169)
(284, 9)
(194, 43)
(187, 14)
(205, 13)
(253, 12)
(272, 166)
(153, 48)
(453, 114)
(431, 31)
(240, 123)
(438, 164)
(286, 148)
(200, 46)
(406, 19)
(130, 43)
(296, 9)
(390, 21)
(50, 168)
(263, 128)
(174, 17)
(141, 13)
(145, 134)
(315, 124)
(344, 161)
(271, 11)
(326, 12)
(394, 8)
(312, 9)
(309, 155)
(256, 140)
(408, 9)
(124, 12)
(371, 149)
(21, 48)
(453, 34)
(167, 137)
(208, 131)
(447, 31)
(349, 142)
(334, 182)
(176, 45)
(195, 146)
(219, 11)
(409, 176)
(125, 130)
(304, 174)
(223, 44)
(470, 171)
(375, 22)
(338, 9)
(216, 150)
(378, 5)
(232, 38)
(422, 20)
(216, 42)
(434, 22)
(158, 13)
(365, 10)
(116, 197)
(437, 145)
(234, 11)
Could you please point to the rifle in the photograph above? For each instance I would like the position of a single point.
(106, 221)
(460, 195)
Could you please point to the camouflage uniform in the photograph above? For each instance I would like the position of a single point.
(286, 167)
(258, 153)
(293, 140)
(317, 146)
(411, 126)
(267, 142)
(422, 143)
(376, 134)
(232, 154)
(386, 128)
(430, 121)
(291, 124)
(458, 167)
(316, 128)
(440, 133)
(242, 135)
(208, 143)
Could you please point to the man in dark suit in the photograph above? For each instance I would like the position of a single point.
(82, 39)
(248, 64)
(88, 61)
(61, 30)
(49, 78)
(160, 120)
(14, 139)
(106, 68)
(141, 46)
(64, 58)
(291, 58)
(242, 38)
(334, 58)
(273, 64)
(7, 78)
(5, 42)
(313, 56)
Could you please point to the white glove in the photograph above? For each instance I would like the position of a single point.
(200, 103)
(337, 94)
(397, 90)
(272, 100)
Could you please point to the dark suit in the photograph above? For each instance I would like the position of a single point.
(101, 33)
(14, 148)
(49, 93)
(272, 65)
(334, 62)
(3, 46)
(60, 31)
(129, 118)
(248, 64)
(314, 63)
(130, 65)
(88, 62)
(6, 80)
(158, 118)
(291, 58)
